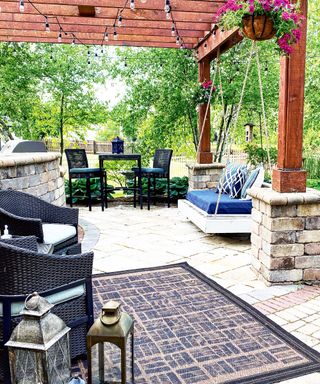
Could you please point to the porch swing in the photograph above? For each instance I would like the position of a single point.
(213, 211)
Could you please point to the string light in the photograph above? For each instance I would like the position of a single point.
(178, 40)
(106, 36)
(60, 36)
(119, 21)
(47, 26)
(73, 41)
(21, 6)
(173, 30)
(115, 35)
(132, 5)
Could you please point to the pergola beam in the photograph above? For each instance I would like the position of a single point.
(218, 41)
(176, 5)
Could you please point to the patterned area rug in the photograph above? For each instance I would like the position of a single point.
(190, 330)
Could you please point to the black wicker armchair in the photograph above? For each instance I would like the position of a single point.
(26, 215)
(64, 280)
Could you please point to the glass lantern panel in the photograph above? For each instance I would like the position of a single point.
(111, 371)
(28, 366)
(58, 360)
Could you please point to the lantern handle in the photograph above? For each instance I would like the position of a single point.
(34, 294)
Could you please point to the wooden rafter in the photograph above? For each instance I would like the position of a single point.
(145, 26)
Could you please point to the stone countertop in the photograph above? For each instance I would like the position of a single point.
(271, 197)
(16, 159)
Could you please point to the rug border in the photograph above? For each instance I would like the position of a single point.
(263, 378)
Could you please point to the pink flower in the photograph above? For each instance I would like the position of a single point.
(297, 34)
(285, 16)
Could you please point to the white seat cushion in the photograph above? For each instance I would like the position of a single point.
(57, 233)
(56, 298)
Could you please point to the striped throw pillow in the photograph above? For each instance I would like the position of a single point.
(233, 180)
(255, 179)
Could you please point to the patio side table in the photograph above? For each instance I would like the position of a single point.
(128, 157)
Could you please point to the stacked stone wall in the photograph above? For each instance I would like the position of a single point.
(36, 173)
(203, 176)
(285, 236)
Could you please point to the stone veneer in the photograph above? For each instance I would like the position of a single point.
(285, 239)
(202, 176)
(36, 173)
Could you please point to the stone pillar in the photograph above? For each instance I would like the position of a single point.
(285, 239)
(203, 176)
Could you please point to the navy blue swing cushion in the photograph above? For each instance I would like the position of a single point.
(206, 199)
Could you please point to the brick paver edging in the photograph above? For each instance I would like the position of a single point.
(289, 300)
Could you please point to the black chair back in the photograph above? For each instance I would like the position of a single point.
(77, 158)
(162, 159)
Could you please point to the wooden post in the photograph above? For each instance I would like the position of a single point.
(204, 155)
(289, 175)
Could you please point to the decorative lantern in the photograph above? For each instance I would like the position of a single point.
(113, 327)
(39, 345)
(249, 132)
(117, 145)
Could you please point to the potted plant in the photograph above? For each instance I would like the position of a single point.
(263, 19)
(201, 93)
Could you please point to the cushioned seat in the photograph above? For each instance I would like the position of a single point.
(57, 233)
(85, 170)
(56, 298)
(149, 170)
(207, 200)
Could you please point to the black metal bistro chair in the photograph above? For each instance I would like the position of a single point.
(79, 169)
(159, 170)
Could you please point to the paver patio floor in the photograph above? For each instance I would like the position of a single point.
(133, 238)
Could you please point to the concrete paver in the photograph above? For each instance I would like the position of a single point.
(133, 238)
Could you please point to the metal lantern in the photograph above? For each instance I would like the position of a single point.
(249, 132)
(117, 145)
(39, 346)
(114, 327)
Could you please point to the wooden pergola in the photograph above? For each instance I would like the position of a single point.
(188, 24)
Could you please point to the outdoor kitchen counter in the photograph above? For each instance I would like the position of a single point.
(37, 173)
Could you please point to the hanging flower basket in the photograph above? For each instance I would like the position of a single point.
(263, 20)
(258, 27)
(201, 93)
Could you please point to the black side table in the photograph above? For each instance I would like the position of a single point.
(124, 156)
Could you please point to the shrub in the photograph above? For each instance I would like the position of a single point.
(79, 190)
(178, 187)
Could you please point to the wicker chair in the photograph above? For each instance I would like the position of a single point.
(23, 271)
(160, 170)
(28, 215)
(79, 169)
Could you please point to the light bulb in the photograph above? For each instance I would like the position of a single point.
(60, 36)
(21, 6)
(178, 40)
(132, 5)
(119, 21)
(73, 41)
(173, 30)
(115, 35)
(47, 25)
(168, 15)
(106, 36)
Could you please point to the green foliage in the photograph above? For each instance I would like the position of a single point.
(79, 190)
(156, 109)
(178, 187)
(312, 165)
(313, 183)
(258, 155)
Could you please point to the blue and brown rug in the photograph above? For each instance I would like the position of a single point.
(190, 330)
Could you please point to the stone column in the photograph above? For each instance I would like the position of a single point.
(203, 176)
(285, 239)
